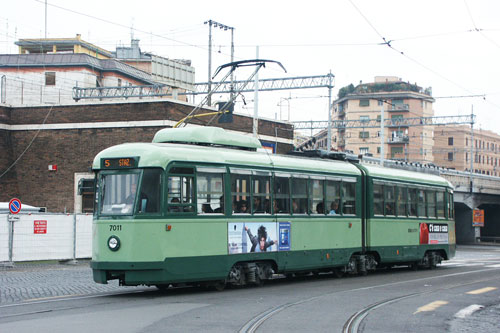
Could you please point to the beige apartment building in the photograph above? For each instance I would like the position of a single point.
(400, 100)
(453, 149)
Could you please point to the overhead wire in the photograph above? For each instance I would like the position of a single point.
(29, 144)
(388, 44)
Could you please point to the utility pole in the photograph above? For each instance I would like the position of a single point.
(471, 147)
(256, 99)
(45, 19)
(225, 28)
(209, 100)
(329, 133)
(232, 60)
(382, 134)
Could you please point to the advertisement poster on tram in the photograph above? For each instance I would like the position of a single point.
(248, 237)
(433, 233)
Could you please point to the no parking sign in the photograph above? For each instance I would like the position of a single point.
(14, 206)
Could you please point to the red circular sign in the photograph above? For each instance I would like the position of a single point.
(14, 206)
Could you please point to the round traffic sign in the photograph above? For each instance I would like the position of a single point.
(14, 206)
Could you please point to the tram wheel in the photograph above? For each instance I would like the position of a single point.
(162, 287)
(220, 285)
(338, 273)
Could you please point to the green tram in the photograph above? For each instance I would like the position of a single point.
(203, 206)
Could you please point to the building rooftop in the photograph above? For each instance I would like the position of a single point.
(44, 45)
(73, 59)
(383, 86)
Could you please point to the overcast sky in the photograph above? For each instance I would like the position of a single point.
(452, 46)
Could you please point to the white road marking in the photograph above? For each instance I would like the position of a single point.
(465, 312)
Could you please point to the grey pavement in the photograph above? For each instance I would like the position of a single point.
(31, 281)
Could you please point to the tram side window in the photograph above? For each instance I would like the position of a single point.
(333, 197)
(180, 194)
(240, 193)
(261, 192)
(401, 202)
(210, 192)
(299, 195)
(378, 199)
(282, 195)
(431, 203)
(149, 195)
(450, 206)
(421, 204)
(440, 204)
(413, 201)
(389, 200)
(348, 198)
(317, 205)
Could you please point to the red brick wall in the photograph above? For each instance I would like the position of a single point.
(73, 150)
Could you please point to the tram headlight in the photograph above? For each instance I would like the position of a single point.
(114, 243)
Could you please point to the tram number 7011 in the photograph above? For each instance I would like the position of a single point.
(115, 227)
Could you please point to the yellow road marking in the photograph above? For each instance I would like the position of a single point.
(480, 291)
(431, 306)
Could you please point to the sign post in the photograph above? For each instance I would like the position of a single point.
(14, 208)
(477, 222)
(478, 218)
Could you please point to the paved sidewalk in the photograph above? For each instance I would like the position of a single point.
(30, 281)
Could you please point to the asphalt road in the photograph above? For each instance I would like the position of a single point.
(462, 295)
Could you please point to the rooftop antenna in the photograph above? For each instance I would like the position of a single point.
(45, 19)
(132, 30)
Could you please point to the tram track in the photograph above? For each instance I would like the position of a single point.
(352, 325)
(354, 322)
(59, 299)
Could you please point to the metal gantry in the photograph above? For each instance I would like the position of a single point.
(160, 90)
(288, 83)
(398, 122)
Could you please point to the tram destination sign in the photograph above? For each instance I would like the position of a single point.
(119, 163)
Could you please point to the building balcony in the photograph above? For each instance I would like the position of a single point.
(399, 139)
(400, 107)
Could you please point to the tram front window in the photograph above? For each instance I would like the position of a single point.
(118, 193)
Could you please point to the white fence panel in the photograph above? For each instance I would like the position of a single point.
(4, 237)
(43, 237)
(84, 236)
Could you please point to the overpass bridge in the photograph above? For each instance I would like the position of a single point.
(472, 191)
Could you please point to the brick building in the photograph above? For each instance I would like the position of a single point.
(32, 138)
